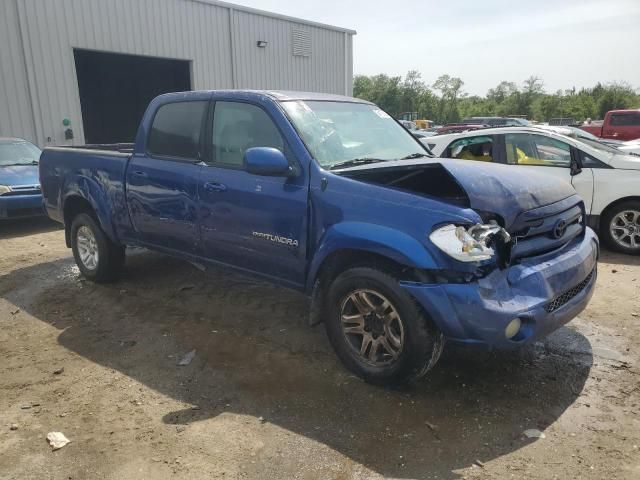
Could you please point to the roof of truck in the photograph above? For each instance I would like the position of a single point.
(278, 95)
(12, 140)
(286, 95)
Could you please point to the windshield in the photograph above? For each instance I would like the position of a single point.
(582, 134)
(22, 153)
(601, 147)
(339, 132)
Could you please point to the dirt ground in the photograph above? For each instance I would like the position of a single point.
(265, 397)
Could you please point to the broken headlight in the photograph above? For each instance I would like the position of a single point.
(469, 243)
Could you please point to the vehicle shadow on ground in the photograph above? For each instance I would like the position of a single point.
(24, 227)
(256, 356)
(608, 256)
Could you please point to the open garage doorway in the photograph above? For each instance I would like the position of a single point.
(115, 90)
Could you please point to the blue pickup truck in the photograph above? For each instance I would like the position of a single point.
(399, 252)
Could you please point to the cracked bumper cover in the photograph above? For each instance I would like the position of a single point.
(478, 312)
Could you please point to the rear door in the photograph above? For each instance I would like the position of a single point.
(549, 155)
(162, 183)
(251, 221)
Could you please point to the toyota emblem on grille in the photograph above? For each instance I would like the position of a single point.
(559, 228)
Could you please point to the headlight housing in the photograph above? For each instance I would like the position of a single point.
(4, 189)
(469, 243)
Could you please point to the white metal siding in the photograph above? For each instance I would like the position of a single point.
(41, 68)
(321, 71)
(16, 115)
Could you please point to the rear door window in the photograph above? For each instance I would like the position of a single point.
(526, 149)
(472, 148)
(176, 130)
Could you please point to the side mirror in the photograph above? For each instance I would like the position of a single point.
(575, 168)
(267, 161)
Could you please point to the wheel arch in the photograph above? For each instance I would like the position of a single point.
(606, 210)
(78, 202)
(351, 243)
(358, 245)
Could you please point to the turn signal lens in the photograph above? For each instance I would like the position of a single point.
(513, 328)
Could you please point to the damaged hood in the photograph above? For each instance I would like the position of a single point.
(505, 189)
(501, 189)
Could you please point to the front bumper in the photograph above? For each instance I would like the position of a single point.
(18, 206)
(544, 292)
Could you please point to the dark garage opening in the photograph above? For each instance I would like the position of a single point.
(115, 90)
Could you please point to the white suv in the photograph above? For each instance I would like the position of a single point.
(607, 179)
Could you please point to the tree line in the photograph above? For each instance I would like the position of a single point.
(446, 101)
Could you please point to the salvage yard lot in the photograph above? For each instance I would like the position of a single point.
(265, 397)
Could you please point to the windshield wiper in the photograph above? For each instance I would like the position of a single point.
(17, 164)
(356, 161)
(411, 156)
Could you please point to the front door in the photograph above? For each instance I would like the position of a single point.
(251, 221)
(540, 153)
(162, 183)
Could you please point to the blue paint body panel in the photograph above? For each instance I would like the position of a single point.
(478, 312)
(285, 228)
(20, 205)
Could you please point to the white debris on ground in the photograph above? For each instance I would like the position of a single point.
(187, 359)
(534, 433)
(57, 440)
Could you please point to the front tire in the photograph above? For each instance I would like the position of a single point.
(378, 330)
(98, 258)
(620, 228)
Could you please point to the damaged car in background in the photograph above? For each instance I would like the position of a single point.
(329, 195)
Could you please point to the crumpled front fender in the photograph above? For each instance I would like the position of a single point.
(366, 237)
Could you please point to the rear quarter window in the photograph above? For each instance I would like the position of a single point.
(176, 130)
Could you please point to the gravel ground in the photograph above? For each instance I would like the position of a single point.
(265, 397)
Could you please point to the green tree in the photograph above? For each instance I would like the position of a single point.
(450, 89)
(446, 102)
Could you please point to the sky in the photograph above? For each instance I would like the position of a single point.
(567, 43)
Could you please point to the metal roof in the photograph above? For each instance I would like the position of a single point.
(256, 11)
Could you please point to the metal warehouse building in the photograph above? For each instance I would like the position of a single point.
(88, 68)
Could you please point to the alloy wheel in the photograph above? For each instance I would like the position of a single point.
(625, 229)
(372, 326)
(87, 247)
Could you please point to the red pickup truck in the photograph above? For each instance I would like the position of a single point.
(617, 125)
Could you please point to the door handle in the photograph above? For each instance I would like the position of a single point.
(215, 187)
(138, 173)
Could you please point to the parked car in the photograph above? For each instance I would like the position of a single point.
(631, 147)
(496, 121)
(561, 121)
(607, 179)
(19, 184)
(458, 127)
(617, 125)
(414, 130)
(331, 196)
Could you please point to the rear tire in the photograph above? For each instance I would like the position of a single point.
(378, 330)
(620, 228)
(98, 258)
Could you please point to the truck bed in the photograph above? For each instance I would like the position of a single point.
(95, 175)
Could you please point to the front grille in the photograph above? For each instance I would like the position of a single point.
(23, 190)
(560, 300)
(534, 231)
